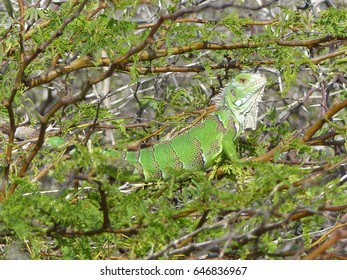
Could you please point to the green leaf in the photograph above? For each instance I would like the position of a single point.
(8, 6)
(56, 142)
(33, 13)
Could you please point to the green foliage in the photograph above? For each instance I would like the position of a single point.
(79, 209)
(276, 208)
(334, 22)
(34, 14)
(236, 24)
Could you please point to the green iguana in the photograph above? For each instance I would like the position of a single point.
(198, 147)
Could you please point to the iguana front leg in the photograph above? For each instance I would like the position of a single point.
(229, 145)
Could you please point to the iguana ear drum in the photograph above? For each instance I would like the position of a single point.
(233, 93)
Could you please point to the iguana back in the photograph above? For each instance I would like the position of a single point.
(198, 147)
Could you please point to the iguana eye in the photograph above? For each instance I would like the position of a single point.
(243, 80)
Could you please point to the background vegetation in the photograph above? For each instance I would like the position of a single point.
(79, 77)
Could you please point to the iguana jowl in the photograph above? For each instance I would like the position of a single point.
(198, 147)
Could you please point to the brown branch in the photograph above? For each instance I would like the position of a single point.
(148, 56)
(44, 122)
(21, 32)
(102, 5)
(194, 68)
(322, 120)
(310, 42)
(171, 248)
(179, 20)
(105, 212)
(338, 234)
(24, 62)
(79, 63)
(285, 145)
(30, 158)
(9, 103)
(319, 59)
(202, 221)
(49, 167)
(319, 172)
(281, 147)
(121, 63)
(203, 21)
(223, 65)
(333, 208)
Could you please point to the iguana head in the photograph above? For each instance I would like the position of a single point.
(241, 97)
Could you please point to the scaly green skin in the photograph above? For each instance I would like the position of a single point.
(198, 147)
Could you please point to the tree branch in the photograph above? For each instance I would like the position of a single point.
(85, 61)
(285, 146)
